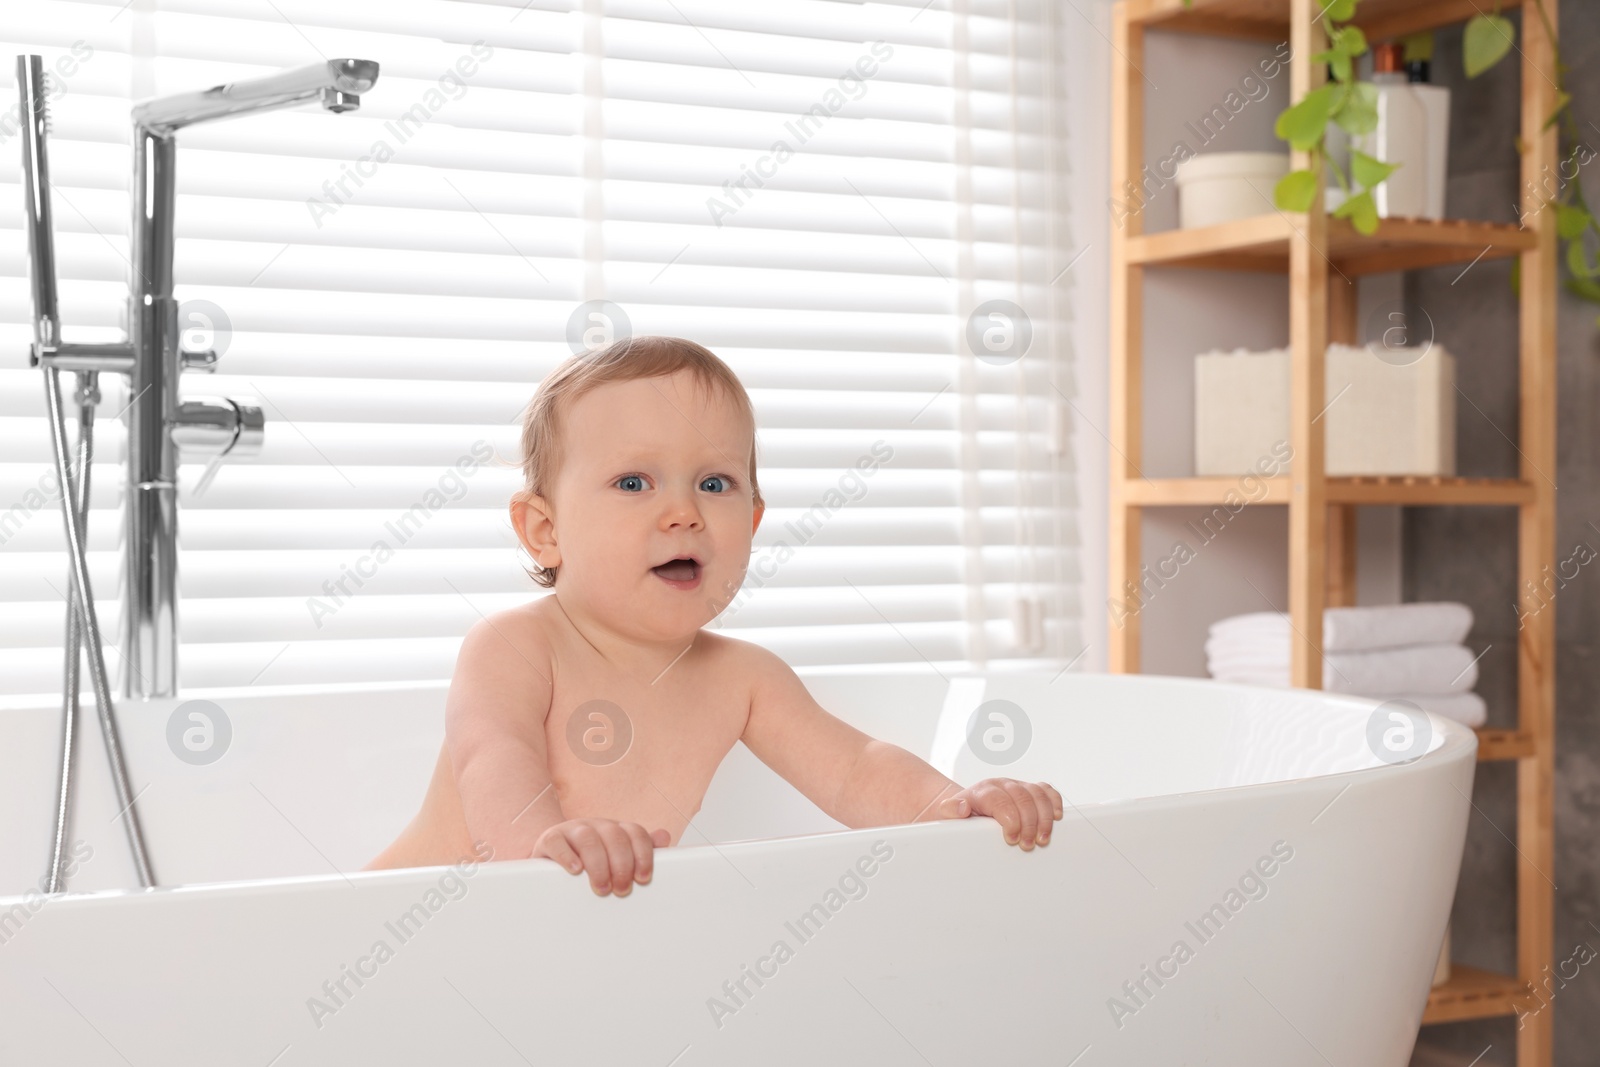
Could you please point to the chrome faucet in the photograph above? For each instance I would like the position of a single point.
(159, 420)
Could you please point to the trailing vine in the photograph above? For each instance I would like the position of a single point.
(1350, 104)
(1488, 40)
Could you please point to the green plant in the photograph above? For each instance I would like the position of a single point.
(1488, 39)
(1350, 104)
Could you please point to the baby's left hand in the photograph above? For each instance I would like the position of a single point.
(1026, 811)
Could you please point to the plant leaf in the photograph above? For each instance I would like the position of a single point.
(1571, 221)
(1339, 10)
(1348, 40)
(1369, 171)
(1585, 289)
(1418, 47)
(1362, 213)
(1358, 112)
(1487, 40)
(1303, 124)
(1295, 191)
(1578, 262)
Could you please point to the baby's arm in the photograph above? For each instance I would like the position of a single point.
(861, 781)
(495, 727)
(494, 724)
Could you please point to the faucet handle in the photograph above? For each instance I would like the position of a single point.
(252, 427)
(203, 360)
(219, 426)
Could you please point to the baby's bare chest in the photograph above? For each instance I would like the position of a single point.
(638, 752)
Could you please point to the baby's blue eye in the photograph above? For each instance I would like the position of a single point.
(715, 483)
(630, 483)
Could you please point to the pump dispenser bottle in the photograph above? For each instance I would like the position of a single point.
(1401, 138)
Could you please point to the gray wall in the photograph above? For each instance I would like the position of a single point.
(1469, 554)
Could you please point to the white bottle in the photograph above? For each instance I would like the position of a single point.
(1401, 138)
(1436, 102)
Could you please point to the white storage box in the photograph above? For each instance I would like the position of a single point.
(1394, 415)
(1223, 186)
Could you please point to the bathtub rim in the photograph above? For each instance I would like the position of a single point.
(1457, 744)
(1010, 669)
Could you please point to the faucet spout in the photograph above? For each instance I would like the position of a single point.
(337, 84)
(159, 419)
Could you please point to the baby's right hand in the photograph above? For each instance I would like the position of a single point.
(616, 854)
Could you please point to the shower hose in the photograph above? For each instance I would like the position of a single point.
(83, 626)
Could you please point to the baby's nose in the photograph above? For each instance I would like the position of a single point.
(681, 512)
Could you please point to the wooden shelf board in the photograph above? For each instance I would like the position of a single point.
(1418, 491)
(1175, 492)
(1504, 745)
(1268, 20)
(1262, 243)
(1431, 491)
(1474, 994)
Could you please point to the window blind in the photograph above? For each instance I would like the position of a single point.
(855, 204)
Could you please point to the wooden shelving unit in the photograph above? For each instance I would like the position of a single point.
(1322, 257)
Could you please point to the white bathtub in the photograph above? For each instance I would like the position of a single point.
(957, 949)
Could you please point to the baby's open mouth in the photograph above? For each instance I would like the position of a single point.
(683, 569)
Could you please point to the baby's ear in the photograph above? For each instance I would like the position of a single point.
(755, 523)
(536, 529)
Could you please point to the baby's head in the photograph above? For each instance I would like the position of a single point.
(639, 458)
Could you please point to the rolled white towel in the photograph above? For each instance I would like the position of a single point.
(1468, 709)
(1435, 669)
(1357, 629)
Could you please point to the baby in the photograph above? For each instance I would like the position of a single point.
(580, 719)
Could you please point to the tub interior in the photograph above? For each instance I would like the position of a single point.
(316, 783)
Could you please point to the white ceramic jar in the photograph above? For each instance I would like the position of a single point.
(1220, 187)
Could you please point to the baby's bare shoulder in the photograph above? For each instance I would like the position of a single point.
(746, 661)
(503, 681)
(519, 640)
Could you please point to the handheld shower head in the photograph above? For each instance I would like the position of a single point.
(35, 109)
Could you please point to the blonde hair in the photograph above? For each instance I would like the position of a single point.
(629, 359)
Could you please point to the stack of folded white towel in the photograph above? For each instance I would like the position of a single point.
(1403, 652)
